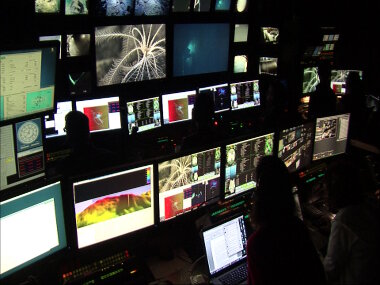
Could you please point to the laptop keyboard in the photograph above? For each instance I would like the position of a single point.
(236, 276)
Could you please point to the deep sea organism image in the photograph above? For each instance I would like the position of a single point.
(151, 7)
(113, 7)
(47, 6)
(174, 173)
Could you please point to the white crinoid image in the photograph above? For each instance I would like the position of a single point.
(130, 53)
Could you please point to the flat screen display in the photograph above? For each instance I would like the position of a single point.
(245, 94)
(240, 63)
(113, 205)
(241, 6)
(188, 182)
(222, 5)
(181, 6)
(241, 33)
(113, 8)
(178, 107)
(79, 83)
(54, 124)
(47, 6)
(151, 7)
(310, 80)
(144, 114)
(268, 65)
(270, 35)
(221, 95)
(78, 45)
(202, 5)
(339, 78)
(76, 7)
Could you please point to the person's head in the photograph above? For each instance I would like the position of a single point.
(77, 129)
(353, 83)
(273, 198)
(203, 111)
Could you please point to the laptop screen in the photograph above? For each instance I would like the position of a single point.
(225, 244)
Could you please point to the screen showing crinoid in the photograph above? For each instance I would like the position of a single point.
(178, 107)
(245, 94)
(130, 53)
(113, 205)
(200, 48)
(310, 79)
(188, 182)
(295, 146)
(331, 136)
(242, 159)
(144, 114)
(221, 95)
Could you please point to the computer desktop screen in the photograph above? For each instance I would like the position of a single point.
(144, 114)
(339, 78)
(200, 48)
(221, 95)
(113, 205)
(55, 123)
(331, 136)
(245, 94)
(178, 107)
(188, 182)
(27, 80)
(295, 146)
(242, 158)
(268, 65)
(32, 228)
(103, 114)
(130, 53)
(310, 79)
(21, 153)
(151, 7)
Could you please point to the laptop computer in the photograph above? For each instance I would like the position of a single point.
(225, 250)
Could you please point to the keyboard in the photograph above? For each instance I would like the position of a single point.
(235, 276)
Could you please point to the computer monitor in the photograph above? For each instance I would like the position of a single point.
(241, 33)
(77, 7)
(240, 63)
(103, 114)
(79, 83)
(245, 94)
(122, 53)
(242, 158)
(221, 95)
(113, 204)
(55, 123)
(331, 135)
(202, 5)
(32, 228)
(178, 107)
(268, 65)
(270, 35)
(310, 79)
(181, 6)
(28, 80)
(152, 7)
(339, 78)
(114, 8)
(21, 153)
(222, 5)
(144, 114)
(188, 182)
(47, 7)
(200, 48)
(295, 146)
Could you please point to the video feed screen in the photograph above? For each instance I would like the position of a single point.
(242, 159)
(32, 228)
(103, 114)
(113, 7)
(130, 53)
(270, 35)
(245, 94)
(268, 65)
(310, 80)
(295, 146)
(178, 107)
(53, 38)
(47, 6)
(241, 5)
(240, 63)
(76, 7)
(221, 95)
(78, 45)
(79, 83)
(188, 182)
(222, 5)
(200, 48)
(151, 7)
(144, 114)
(54, 124)
(181, 5)
(338, 80)
(241, 33)
(331, 136)
(113, 205)
(22, 153)
(202, 5)
(27, 81)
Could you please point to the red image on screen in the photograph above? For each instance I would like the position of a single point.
(173, 205)
(98, 117)
(178, 110)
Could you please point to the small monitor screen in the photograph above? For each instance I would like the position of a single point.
(103, 114)
(178, 107)
(202, 5)
(221, 94)
(21, 153)
(32, 228)
(188, 182)
(241, 5)
(245, 94)
(79, 83)
(310, 80)
(295, 146)
(222, 5)
(240, 63)
(181, 6)
(331, 136)
(268, 65)
(144, 114)
(339, 78)
(113, 8)
(200, 48)
(78, 45)
(242, 159)
(113, 205)
(270, 35)
(76, 7)
(241, 33)
(330, 38)
(54, 124)
(151, 7)
(47, 6)
(130, 53)
(27, 80)
(53, 38)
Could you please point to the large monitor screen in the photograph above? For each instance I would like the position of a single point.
(188, 182)
(221, 95)
(27, 81)
(21, 153)
(242, 159)
(331, 136)
(55, 123)
(339, 78)
(32, 228)
(178, 107)
(113, 205)
(310, 79)
(295, 146)
(200, 48)
(144, 114)
(245, 94)
(103, 114)
(130, 53)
